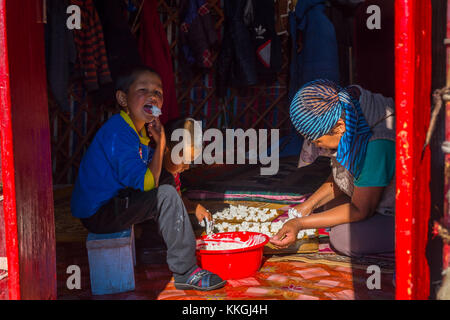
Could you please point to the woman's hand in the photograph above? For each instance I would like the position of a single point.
(201, 213)
(287, 235)
(305, 208)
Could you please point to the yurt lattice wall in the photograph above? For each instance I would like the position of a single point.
(259, 107)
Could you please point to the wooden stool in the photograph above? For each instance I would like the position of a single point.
(112, 258)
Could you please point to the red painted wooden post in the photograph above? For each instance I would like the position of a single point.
(413, 90)
(9, 193)
(446, 247)
(26, 171)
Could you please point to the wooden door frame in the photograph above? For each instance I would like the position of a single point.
(26, 160)
(412, 101)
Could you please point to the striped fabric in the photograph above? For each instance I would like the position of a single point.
(315, 110)
(177, 182)
(92, 61)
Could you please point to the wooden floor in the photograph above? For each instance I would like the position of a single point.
(290, 277)
(295, 277)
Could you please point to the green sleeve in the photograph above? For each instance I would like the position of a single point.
(379, 165)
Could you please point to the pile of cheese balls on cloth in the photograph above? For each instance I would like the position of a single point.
(243, 218)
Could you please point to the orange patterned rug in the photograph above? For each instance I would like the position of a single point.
(279, 278)
(292, 281)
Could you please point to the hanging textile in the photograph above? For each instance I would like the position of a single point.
(92, 64)
(251, 49)
(155, 53)
(236, 61)
(60, 52)
(121, 44)
(197, 33)
(266, 41)
(314, 45)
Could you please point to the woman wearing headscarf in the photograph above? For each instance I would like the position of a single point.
(356, 127)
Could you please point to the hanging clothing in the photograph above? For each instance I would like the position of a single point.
(251, 48)
(60, 52)
(121, 44)
(155, 53)
(266, 41)
(92, 64)
(197, 33)
(236, 62)
(314, 45)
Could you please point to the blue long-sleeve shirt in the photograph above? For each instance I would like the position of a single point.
(116, 159)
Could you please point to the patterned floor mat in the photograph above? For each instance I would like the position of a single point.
(277, 279)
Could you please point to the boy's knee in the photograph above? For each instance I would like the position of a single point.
(166, 191)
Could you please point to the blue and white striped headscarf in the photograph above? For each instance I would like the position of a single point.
(315, 110)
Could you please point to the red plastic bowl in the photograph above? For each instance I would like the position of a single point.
(234, 263)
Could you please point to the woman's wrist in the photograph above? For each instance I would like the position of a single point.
(312, 206)
(306, 207)
(297, 223)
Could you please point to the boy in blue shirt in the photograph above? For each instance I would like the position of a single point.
(118, 179)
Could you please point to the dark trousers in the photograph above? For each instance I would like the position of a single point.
(164, 205)
(373, 235)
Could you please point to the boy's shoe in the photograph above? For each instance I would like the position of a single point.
(202, 280)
